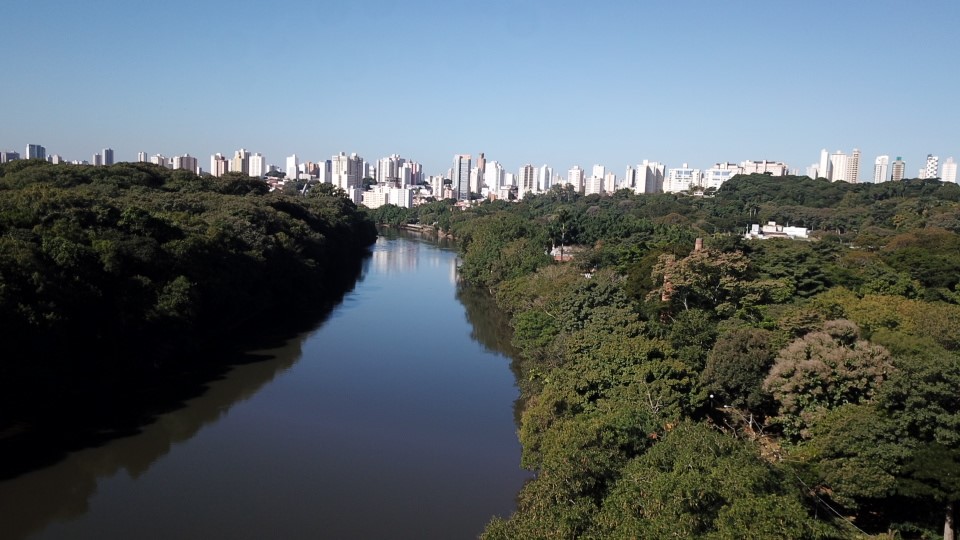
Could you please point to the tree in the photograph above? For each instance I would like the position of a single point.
(736, 367)
(704, 279)
(699, 483)
(822, 371)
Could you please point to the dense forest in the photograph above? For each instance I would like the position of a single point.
(120, 271)
(749, 389)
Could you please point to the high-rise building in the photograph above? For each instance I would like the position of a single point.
(575, 177)
(715, 176)
(528, 179)
(932, 167)
(852, 173)
(630, 177)
(838, 166)
(324, 172)
(240, 162)
(650, 176)
(594, 184)
(949, 171)
(388, 170)
(406, 174)
(6, 156)
(347, 171)
(898, 169)
(142, 157)
(256, 165)
(825, 169)
(293, 167)
(160, 159)
(681, 179)
(481, 172)
(35, 151)
(219, 165)
(610, 182)
(493, 176)
(107, 156)
(881, 166)
(186, 162)
(773, 168)
(474, 180)
(460, 176)
(544, 178)
(97, 160)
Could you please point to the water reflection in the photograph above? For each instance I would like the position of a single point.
(62, 492)
(391, 420)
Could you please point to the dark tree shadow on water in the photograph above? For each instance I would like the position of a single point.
(141, 414)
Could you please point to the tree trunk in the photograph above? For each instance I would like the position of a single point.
(948, 531)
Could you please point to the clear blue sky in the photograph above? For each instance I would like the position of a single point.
(558, 82)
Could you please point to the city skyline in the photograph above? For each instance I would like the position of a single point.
(559, 83)
(219, 163)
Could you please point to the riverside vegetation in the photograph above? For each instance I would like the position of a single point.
(121, 273)
(751, 389)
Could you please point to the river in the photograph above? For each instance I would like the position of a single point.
(393, 419)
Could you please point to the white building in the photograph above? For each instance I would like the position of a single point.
(949, 171)
(681, 179)
(773, 168)
(219, 164)
(407, 175)
(825, 167)
(594, 184)
(256, 165)
(931, 168)
(772, 230)
(527, 179)
(142, 157)
(715, 176)
(838, 166)
(292, 168)
(610, 182)
(575, 177)
(650, 177)
(160, 159)
(630, 178)
(384, 194)
(493, 176)
(376, 197)
(347, 171)
(475, 176)
(544, 178)
(323, 172)
(388, 170)
(881, 169)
